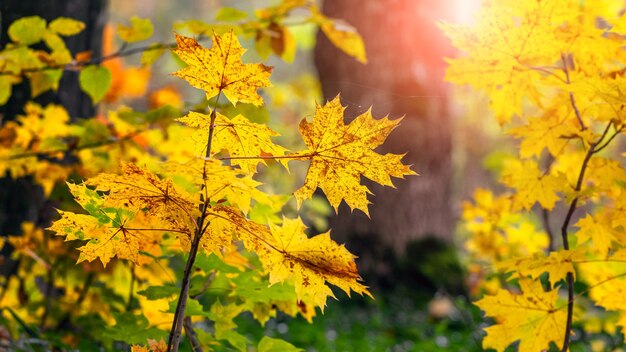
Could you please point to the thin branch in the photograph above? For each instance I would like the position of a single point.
(123, 52)
(605, 144)
(72, 148)
(178, 322)
(571, 95)
(191, 335)
(268, 157)
(564, 235)
(545, 220)
(206, 285)
(150, 229)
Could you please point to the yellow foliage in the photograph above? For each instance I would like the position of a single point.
(340, 154)
(220, 70)
(310, 262)
(532, 316)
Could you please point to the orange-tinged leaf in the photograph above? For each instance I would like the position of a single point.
(220, 69)
(532, 317)
(310, 263)
(238, 136)
(153, 346)
(340, 154)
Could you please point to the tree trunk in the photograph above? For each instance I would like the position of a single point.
(404, 76)
(92, 13)
(22, 200)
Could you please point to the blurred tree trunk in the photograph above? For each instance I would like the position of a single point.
(22, 200)
(404, 76)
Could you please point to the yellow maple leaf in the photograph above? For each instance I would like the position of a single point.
(340, 154)
(599, 231)
(117, 238)
(607, 281)
(310, 263)
(532, 317)
(558, 264)
(550, 131)
(343, 35)
(220, 69)
(504, 45)
(531, 185)
(238, 136)
(141, 190)
(223, 183)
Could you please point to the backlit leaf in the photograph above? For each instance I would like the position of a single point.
(340, 154)
(66, 26)
(310, 263)
(95, 81)
(532, 317)
(27, 30)
(220, 69)
(139, 29)
(238, 136)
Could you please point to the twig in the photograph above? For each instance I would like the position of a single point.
(571, 95)
(123, 52)
(545, 219)
(72, 148)
(605, 144)
(191, 335)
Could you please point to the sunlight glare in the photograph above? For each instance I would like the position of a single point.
(465, 11)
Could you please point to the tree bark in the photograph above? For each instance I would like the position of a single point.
(404, 76)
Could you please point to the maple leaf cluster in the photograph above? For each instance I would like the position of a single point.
(151, 187)
(553, 72)
(129, 213)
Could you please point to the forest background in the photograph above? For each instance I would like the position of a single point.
(564, 171)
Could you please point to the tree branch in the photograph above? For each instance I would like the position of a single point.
(179, 315)
(72, 148)
(564, 234)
